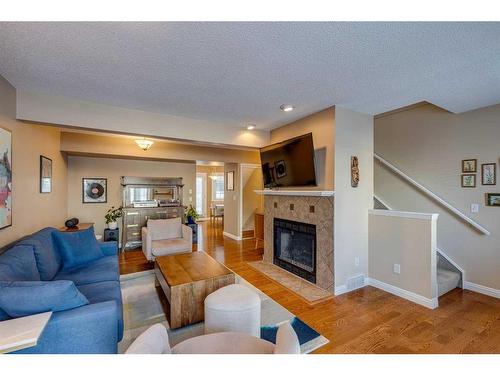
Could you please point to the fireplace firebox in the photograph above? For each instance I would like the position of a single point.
(295, 248)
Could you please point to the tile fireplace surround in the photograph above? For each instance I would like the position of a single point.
(317, 210)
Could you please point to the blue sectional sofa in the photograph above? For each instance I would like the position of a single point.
(94, 327)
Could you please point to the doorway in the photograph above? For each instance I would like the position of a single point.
(209, 188)
(250, 202)
(201, 194)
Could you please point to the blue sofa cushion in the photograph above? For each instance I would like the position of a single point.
(19, 264)
(21, 298)
(106, 291)
(48, 260)
(90, 329)
(104, 269)
(3, 315)
(109, 248)
(77, 249)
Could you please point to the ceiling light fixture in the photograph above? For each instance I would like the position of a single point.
(144, 143)
(213, 174)
(251, 127)
(286, 107)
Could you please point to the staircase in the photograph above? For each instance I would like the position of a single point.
(449, 277)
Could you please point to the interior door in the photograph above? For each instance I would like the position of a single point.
(201, 194)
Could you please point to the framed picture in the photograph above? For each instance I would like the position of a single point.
(45, 174)
(5, 178)
(489, 174)
(469, 166)
(468, 180)
(94, 190)
(280, 168)
(493, 199)
(230, 180)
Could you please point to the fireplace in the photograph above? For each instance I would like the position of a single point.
(295, 248)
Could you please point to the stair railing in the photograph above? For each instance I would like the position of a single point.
(430, 194)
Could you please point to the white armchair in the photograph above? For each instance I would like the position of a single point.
(165, 237)
(155, 341)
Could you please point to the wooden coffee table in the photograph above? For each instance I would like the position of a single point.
(186, 279)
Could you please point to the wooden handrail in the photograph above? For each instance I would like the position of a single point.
(429, 193)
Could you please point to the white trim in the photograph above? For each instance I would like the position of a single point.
(404, 214)
(422, 188)
(232, 236)
(310, 193)
(381, 201)
(492, 292)
(340, 290)
(430, 303)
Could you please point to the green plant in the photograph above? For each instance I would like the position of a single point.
(191, 212)
(113, 214)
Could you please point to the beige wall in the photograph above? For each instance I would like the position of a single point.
(407, 240)
(428, 144)
(232, 202)
(322, 126)
(113, 169)
(125, 147)
(251, 202)
(88, 115)
(31, 210)
(353, 137)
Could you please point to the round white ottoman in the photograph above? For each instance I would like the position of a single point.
(233, 308)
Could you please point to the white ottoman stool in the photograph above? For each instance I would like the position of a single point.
(233, 308)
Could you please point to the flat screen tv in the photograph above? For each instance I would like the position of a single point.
(289, 163)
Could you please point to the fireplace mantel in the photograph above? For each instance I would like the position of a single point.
(297, 193)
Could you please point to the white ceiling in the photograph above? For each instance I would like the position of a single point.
(238, 73)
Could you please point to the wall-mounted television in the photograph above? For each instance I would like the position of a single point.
(289, 163)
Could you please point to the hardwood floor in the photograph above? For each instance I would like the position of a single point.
(368, 320)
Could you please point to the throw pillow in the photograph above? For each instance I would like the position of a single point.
(21, 298)
(77, 249)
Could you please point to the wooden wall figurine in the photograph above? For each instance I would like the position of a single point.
(354, 171)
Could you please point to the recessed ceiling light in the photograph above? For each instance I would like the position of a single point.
(286, 107)
(250, 127)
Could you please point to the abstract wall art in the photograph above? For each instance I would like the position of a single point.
(5, 178)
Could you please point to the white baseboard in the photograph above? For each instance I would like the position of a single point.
(340, 290)
(430, 303)
(232, 236)
(482, 289)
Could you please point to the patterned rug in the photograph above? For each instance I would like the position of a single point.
(142, 308)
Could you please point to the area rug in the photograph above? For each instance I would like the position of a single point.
(142, 308)
(308, 291)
